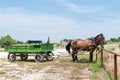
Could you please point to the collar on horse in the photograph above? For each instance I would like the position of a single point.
(94, 44)
(93, 41)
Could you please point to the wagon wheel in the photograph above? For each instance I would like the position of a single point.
(39, 58)
(11, 57)
(50, 57)
(23, 56)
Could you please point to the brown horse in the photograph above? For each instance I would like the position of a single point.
(86, 45)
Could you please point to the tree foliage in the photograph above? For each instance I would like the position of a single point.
(19, 42)
(115, 39)
(6, 41)
(66, 40)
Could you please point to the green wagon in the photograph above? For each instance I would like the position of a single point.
(32, 48)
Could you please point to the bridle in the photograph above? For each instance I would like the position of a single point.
(101, 43)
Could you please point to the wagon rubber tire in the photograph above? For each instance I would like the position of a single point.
(39, 58)
(50, 57)
(11, 57)
(23, 56)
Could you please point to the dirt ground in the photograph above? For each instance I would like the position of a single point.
(58, 69)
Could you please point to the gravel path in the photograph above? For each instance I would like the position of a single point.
(3, 54)
(26, 71)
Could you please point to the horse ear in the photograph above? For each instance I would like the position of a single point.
(101, 34)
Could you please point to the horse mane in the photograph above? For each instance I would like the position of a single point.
(99, 35)
(92, 37)
(89, 38)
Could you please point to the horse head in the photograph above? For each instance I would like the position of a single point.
(100, 40)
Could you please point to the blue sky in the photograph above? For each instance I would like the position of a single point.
(59, 19)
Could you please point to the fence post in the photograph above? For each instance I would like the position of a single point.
(115, 67)
(102, 57)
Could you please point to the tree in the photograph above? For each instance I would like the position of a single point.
(19, 42)
(113, 39)
(118, 39)
(66, 40)
(6, 41)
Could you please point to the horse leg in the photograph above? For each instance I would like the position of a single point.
(73, 57)
(76, 58)
(91, 56)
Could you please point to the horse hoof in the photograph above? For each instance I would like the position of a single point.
(76, 61)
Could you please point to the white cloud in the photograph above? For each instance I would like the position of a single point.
(79, 8)
(83, 9)
(19, 16)
(31, 26)
(24, 25)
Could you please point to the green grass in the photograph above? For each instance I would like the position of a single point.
(96, 66)
(98, 72)
(2, 72)
(2, 50)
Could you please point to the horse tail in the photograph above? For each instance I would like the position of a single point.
(68, 47)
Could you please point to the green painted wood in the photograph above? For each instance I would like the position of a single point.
(30, 48)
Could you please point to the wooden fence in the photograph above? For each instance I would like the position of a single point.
(115, 60)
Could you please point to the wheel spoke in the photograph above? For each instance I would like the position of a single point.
(39, 58)
(50, 57)
(11, 56)
(23, 56)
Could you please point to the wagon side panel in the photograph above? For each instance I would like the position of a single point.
(46, 47)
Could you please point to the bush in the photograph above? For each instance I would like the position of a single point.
(6, 41)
